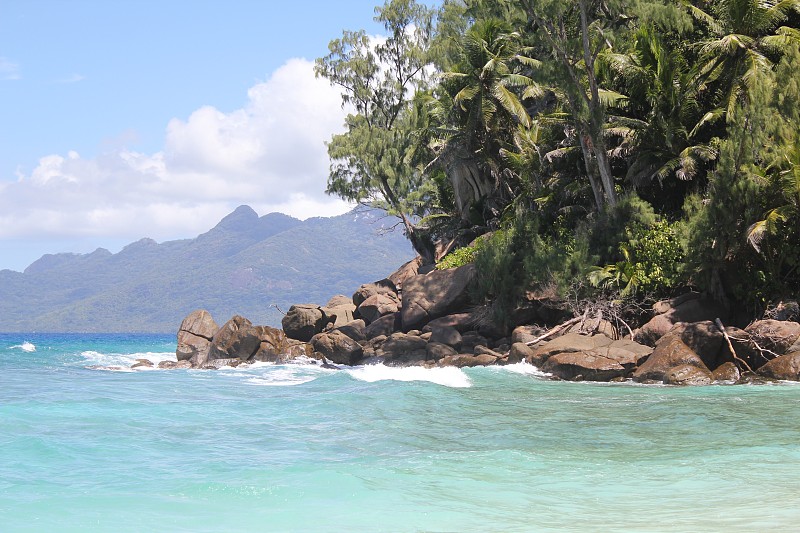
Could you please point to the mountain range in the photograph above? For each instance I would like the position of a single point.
(248, 265)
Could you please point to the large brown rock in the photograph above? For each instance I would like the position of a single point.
(471, 339)
(583, 365)
(594, 358)
(297, 348)
(703, 338)
(685, 308)
(383, 286)
(273, 344)
(437, 350)
(571, 342)
(194, 336)
(774, 335)
(409, 269)
(460, 321)
(785, 367)
(303, 321)
(439, 293)
(522, 352)
(526, 333)
(464, 360)
(339, 300)
(378, 305)
(338, 315)
(385, 325)
(337, 347)
(670, 352)
(401, 348)
(447, 335)
(236, 339)
(688, 375)
(356, 330)
(726, 372)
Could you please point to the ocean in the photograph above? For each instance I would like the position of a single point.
(301, 448)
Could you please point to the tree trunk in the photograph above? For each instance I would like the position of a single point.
(587, 161)
(596, 112)
(469, 184)
(421, 242)
(605, 172)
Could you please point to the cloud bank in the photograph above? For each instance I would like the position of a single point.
(269, 154)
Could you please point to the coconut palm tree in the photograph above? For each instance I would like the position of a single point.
(478, 109)
(746, 37)
(662, 130)
(787, 182)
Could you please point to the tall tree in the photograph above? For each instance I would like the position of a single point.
(745, 35)
(576, 33)
(664, 119)
(480, 107)
(378, 81)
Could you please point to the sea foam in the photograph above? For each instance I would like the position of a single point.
(100, 359)
(25, 347)
(524, 368)
(446, 376)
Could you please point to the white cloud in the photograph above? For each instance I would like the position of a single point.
(269, 154)
(8, 69)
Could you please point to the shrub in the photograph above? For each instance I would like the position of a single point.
(459, 257)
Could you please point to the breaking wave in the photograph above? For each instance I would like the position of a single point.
(446, 376)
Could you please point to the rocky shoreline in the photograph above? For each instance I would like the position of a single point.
(425, 317)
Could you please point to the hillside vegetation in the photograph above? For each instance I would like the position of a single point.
(245, 265)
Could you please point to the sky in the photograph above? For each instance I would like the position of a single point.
(127, 119)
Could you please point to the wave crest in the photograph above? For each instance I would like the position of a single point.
(446, 376)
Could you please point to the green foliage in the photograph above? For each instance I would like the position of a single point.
(520, 259)
(459, 257)
(635, 144)
(371, 162)
(617, 225)
(650, 262)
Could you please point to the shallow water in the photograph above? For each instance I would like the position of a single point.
(300, 448)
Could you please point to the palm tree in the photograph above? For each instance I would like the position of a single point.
(478, 110)
(576, 32)
(661, 134)
(746, 34)
(787, 182)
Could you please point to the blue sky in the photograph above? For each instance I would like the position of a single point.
(137, 118)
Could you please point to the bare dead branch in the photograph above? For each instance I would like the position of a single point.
(554, 330)
(721, 327)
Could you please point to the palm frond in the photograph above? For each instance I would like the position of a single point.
(610, 98)
(709, 118)
(511, 103)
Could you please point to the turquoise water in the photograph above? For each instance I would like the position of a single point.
(299, 448)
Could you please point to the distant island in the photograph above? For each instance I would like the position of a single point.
(246, 265)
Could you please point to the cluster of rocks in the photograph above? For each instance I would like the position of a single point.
(428, 319)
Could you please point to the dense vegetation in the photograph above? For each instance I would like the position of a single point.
(603, 147)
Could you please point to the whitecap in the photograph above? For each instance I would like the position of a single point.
(524, 368)
(25, 347)
(288, 375)
(100, 359)
(446, 376)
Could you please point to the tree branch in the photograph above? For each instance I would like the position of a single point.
(721, 327)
